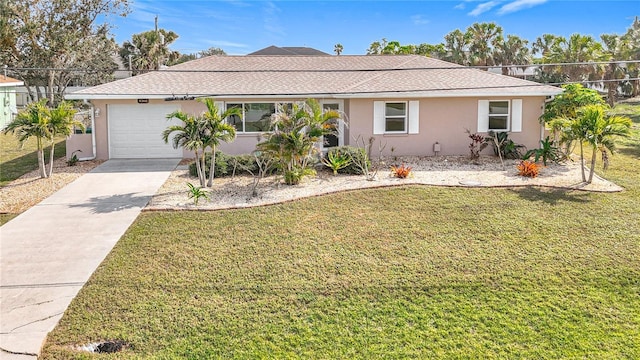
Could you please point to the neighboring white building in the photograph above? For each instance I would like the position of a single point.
(8, 107)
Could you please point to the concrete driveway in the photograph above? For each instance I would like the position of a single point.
(48, 252)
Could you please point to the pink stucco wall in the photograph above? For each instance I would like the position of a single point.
(441, 119)
(80, 142)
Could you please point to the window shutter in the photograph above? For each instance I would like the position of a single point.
(220, 106)
(516, 115)
(414, 117)
(483, 115)
(378, 118)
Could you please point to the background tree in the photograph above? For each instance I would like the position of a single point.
(338, 49)
(58, 35)
(456, 47)
(632, 52)
(200, 54)
(511, 51)
(482, 39)
(149, 50)
(614, 47)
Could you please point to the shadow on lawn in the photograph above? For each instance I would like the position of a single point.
(551, 196)
(109, 204)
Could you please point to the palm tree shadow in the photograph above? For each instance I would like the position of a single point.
(113, 203)
(551, 196)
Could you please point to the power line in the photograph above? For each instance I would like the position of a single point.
(453, 67)
(532, 84)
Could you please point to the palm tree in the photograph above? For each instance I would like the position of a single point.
(61, 123)
(599, 130)
(456, 47)
(217, 129)
(191, 136)
(632, 52)
(32, 121)
(614, 48)
(483, 37)
(149, 50)
(295, 133)
(577, 49)
(512, 51)
(338, 49)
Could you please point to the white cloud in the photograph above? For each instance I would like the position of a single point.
(484, 7)
(459, 6)
(519, 5)
(271, 20)
(419, 20)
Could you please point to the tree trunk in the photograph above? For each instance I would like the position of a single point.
(605, 158)
(53, 142)
(41, 165)
(49, 90)
(203, 173)
(212, 171)
(593, 164)
(198, 167)
(584, 177)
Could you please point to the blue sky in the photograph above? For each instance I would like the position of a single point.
(243, 26)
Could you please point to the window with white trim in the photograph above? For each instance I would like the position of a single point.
(499, 115)
(396, 117)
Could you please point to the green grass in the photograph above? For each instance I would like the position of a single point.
(409, 272)
(17, 160)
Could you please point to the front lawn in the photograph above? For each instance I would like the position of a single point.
(17, 160)
(409, 272)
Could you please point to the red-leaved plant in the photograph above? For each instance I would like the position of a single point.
(528, 168)
(401, 171)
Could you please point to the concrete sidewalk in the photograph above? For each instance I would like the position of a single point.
(48, 252)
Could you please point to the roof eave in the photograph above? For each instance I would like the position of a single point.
(8, 84)
(444, 94)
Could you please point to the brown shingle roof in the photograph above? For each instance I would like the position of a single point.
(302, 76)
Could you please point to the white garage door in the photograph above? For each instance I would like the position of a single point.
(135, 131)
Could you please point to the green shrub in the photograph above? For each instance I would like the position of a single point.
(357, 155)
(507, 147)
(244, 164)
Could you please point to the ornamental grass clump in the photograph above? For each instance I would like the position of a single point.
(528, 168)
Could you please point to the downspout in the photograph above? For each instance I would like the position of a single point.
(93, 135)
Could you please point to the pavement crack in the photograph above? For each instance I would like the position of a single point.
(28, 305)
(35, 321)
(17, 352)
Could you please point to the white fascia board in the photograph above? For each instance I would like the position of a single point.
(79, 96)
(74, 96)
(444, 94)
